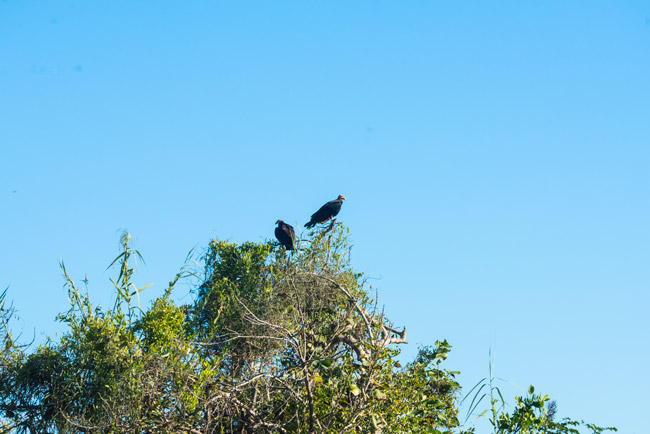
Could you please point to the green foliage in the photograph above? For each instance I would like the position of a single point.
(272, 343)
(532, 413)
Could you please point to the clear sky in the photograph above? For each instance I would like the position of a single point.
(495, 157)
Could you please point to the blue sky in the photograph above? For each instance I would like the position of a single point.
(495, 157)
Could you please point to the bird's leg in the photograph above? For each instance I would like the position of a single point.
(328, 228)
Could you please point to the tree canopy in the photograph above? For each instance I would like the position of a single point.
(273, 342)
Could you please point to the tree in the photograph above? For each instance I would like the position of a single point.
(273, 343)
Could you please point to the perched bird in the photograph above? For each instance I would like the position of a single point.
(326, 212)
(285, 234)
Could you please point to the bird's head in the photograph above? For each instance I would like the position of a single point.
(341, 197)
(278, 222)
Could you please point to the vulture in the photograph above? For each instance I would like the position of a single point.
(326, 212)
(285, 234)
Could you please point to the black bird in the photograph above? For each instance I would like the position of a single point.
(285, 234)
(326, 212)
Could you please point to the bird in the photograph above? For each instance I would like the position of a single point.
(326, 212)
(285, 234)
